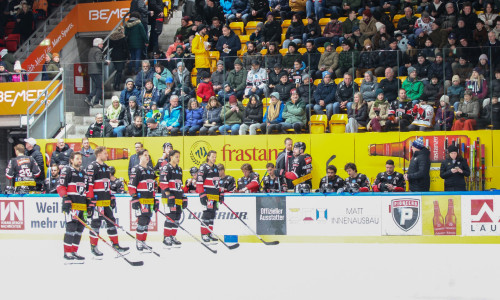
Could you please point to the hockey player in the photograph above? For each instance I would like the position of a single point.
(301, 169)
(23, 169)
(190, 186)
(283, 162)
(207, 186)
(173, 195)
(117, 185)
(272, 183)
(164, 159)
(142, 187)
(249, 183)
(331, 183)
(50, 184)
(102, 201)
(72, 189)
(356, 182)
(389, 181)
(227, 183)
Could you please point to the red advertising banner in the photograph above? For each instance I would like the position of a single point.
(12, 214)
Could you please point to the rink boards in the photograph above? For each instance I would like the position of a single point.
(369, 217)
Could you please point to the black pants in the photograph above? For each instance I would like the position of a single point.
(174, 214)
(96, 223)
(144, 215)
(119, 66)
(208, 216)
(73, 234)
(96, 87)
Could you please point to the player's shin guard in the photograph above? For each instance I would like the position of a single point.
(76, 241)
(167, 231)
(68, 242)
(93, 238)
(113, 235)
(204, 229)
(142, 232)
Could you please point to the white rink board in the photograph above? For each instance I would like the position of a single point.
(481, 215)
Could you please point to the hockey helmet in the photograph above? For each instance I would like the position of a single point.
(300, 145)
(112, 170)
(167, 144)
(193, 170)
(302, 188)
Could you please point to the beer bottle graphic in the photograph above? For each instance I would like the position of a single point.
(436, 145)
(438, 220)
(450, 221)
(113, 153)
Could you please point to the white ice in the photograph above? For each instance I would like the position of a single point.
(33, 269)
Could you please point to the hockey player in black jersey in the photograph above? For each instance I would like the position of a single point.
(301, 169)
(272, 183)
(207, 186)
(117, 184)
(102, 201)
(389, 181)
(249, 183)
(50, 184)
(72, 189)
(23, 170)
(227, 183)
(190, 186)
(142, 188)
(356, 182)
(331, 183)
(164, 159)
(172, 195)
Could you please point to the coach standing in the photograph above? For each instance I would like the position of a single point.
(418, 176)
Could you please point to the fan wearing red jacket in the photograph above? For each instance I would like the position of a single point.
(249, 183)
(205, 88)
(389, 181)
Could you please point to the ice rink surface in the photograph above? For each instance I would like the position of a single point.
(34, 269)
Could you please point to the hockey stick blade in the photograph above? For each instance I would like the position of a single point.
(271, 243)
(233, 246)
(134, 263)
(203, 223)
(330, 159)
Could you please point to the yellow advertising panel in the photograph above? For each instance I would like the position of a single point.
(441, 215)
(16, 97)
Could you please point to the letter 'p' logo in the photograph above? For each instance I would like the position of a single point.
(405, 213)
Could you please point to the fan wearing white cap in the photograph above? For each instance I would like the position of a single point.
(95, 63)
(33, 150)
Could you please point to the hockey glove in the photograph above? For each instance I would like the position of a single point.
(135, 202)
(184, 203)
(203, 199)
(66, 205)
(221, 198)
(90, 211)
(171, 201)
(113, 202)
(156, 206)
(340, 191)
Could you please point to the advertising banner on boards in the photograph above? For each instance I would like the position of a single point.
(401, 216)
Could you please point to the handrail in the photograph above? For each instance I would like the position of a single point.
(43, 95)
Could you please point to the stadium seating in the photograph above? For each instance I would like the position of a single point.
(251, 27)
(318, 124)
(237, 27)
(338, 123)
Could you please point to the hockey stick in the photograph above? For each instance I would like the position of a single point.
(132, 263)
(172, 221)
(262, 178)
(255, 233)
(203, 223)
(330, 160)
(129, 234)
(483, 169)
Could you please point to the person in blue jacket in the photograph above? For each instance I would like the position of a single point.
(172, 116)
(273, 116)
(129, 90)
(194, 118)
(324, 96)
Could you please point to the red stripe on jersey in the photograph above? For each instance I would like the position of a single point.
(164, 185)
(171, 184)
(62, 191)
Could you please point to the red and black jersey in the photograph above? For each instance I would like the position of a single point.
(190, 186)
(208, 180)
(251, 183)
(50, 185)
(171, 181)
(161, 162)
(360, 182)
(383, 179)
(73, 183)
(23, 169)
(142, 182)
(273, 185)
(300, 167)
(98, 182)
(227, 184)
(329, 186)
(117, 186)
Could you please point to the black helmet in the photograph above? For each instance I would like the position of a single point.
(167, 144)
(193, 170)
(300, 145)
(112, 170)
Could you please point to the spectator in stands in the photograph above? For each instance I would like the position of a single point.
(407, 24)
(136, 129)
(351, 5)
(480, 34)
(455, 92)
(211, 117)
(182, 77)
(257, 36)
(194, 118)
(99, 129)
(290, 58)
(390, 85)
(294, 113)
(483, 66)
(348, 60)
(379, 112)
(400, 113)
(367, 26)
(296, 7)
(153, 112)
(332, 32)
(251, 55)
(469, 16)
(284, 87)
(390, 57)
(357, 113)
(295, 75)
(324, 97)
(429, 50)
(205, 88)
(25, 22)
(252, 116)
(467, 113)
(493, 46)
(237, 79)
(461, 31)
(294, 32)
(144, 75)
(477, 85)
(349, 24)
(4, 74)
(129, 91)
(414, 88)
(423, 114)
(137, 39)
(311, 58)
(489, 16)
(240, 10)
(368, 59)
(200, 48)
(149, 95)
(115, 115)
(88, 155)
(273, 116)
(33, 150)
(328, 61)
(139, 11)
(493, 113)
(231, 116)
(422, 68)
(369, 86)
(258, 9)
(119, 54)
(212, 10)
(40, 9)
(155, 8)
(312, 30)
(432, 91)
(273, 56)
(218, 77)
(424, 23)
(439, 36)
(381, 39)
(306, 89)
(155, 129)
(95, 62)
(173, 47)
(228, 45)
(172, 116)
(444, 115)
(256, 81)
(160, 77)
(272, 28)
(345, 93)
(132, 110)
(8, 59)
(19, 74)
(48, 59)
(61, 154)
(495, 84)
(436, 8)
(449, 17)
(185, 30)
(275, 76)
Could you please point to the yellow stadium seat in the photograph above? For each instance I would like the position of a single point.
(339, 49)
(284, 25)
(242, 50)
(338, 123)
(318, 124)
(418, 15)
(244, 39)
(251, 27)
(396, 19)
(237, 27)
(361, 128)
(321, 49)
(379, 79)
(359, 18)
(283, 38)
(302, 50)
(245, 102)
(264, 110)
(358, 80)
(323, 21)
(304, 21)
(342, 19)
(193, 79)
(198, 98)
(214, 58)
(317, 81)
(283, 51)
(263, 51)
(402, 78)
(266, 102)
(338, 80)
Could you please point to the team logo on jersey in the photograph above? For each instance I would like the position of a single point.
(198, 152)
(405, 213)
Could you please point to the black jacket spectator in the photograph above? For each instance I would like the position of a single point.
(134, 131)
(360, 115)
(368, 59)
(234, 45)
(454, 181)
(99, 130)
(311, 59)
(404, 24)
(61, 156)
(156, 6)
(495, 88)
(418, 171)
(272, 32)
(436, 69)
(432, 92)
(212, 11)
(38, 157)
(346, 93)
(390, 58)
(274, 78)
(140, 7)
(295, 30)
(305, 90)
(253, 114)
(390, 88)
(284, 90)
(325, 92)
(422, 69)
(130, 115)
(260, 6)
